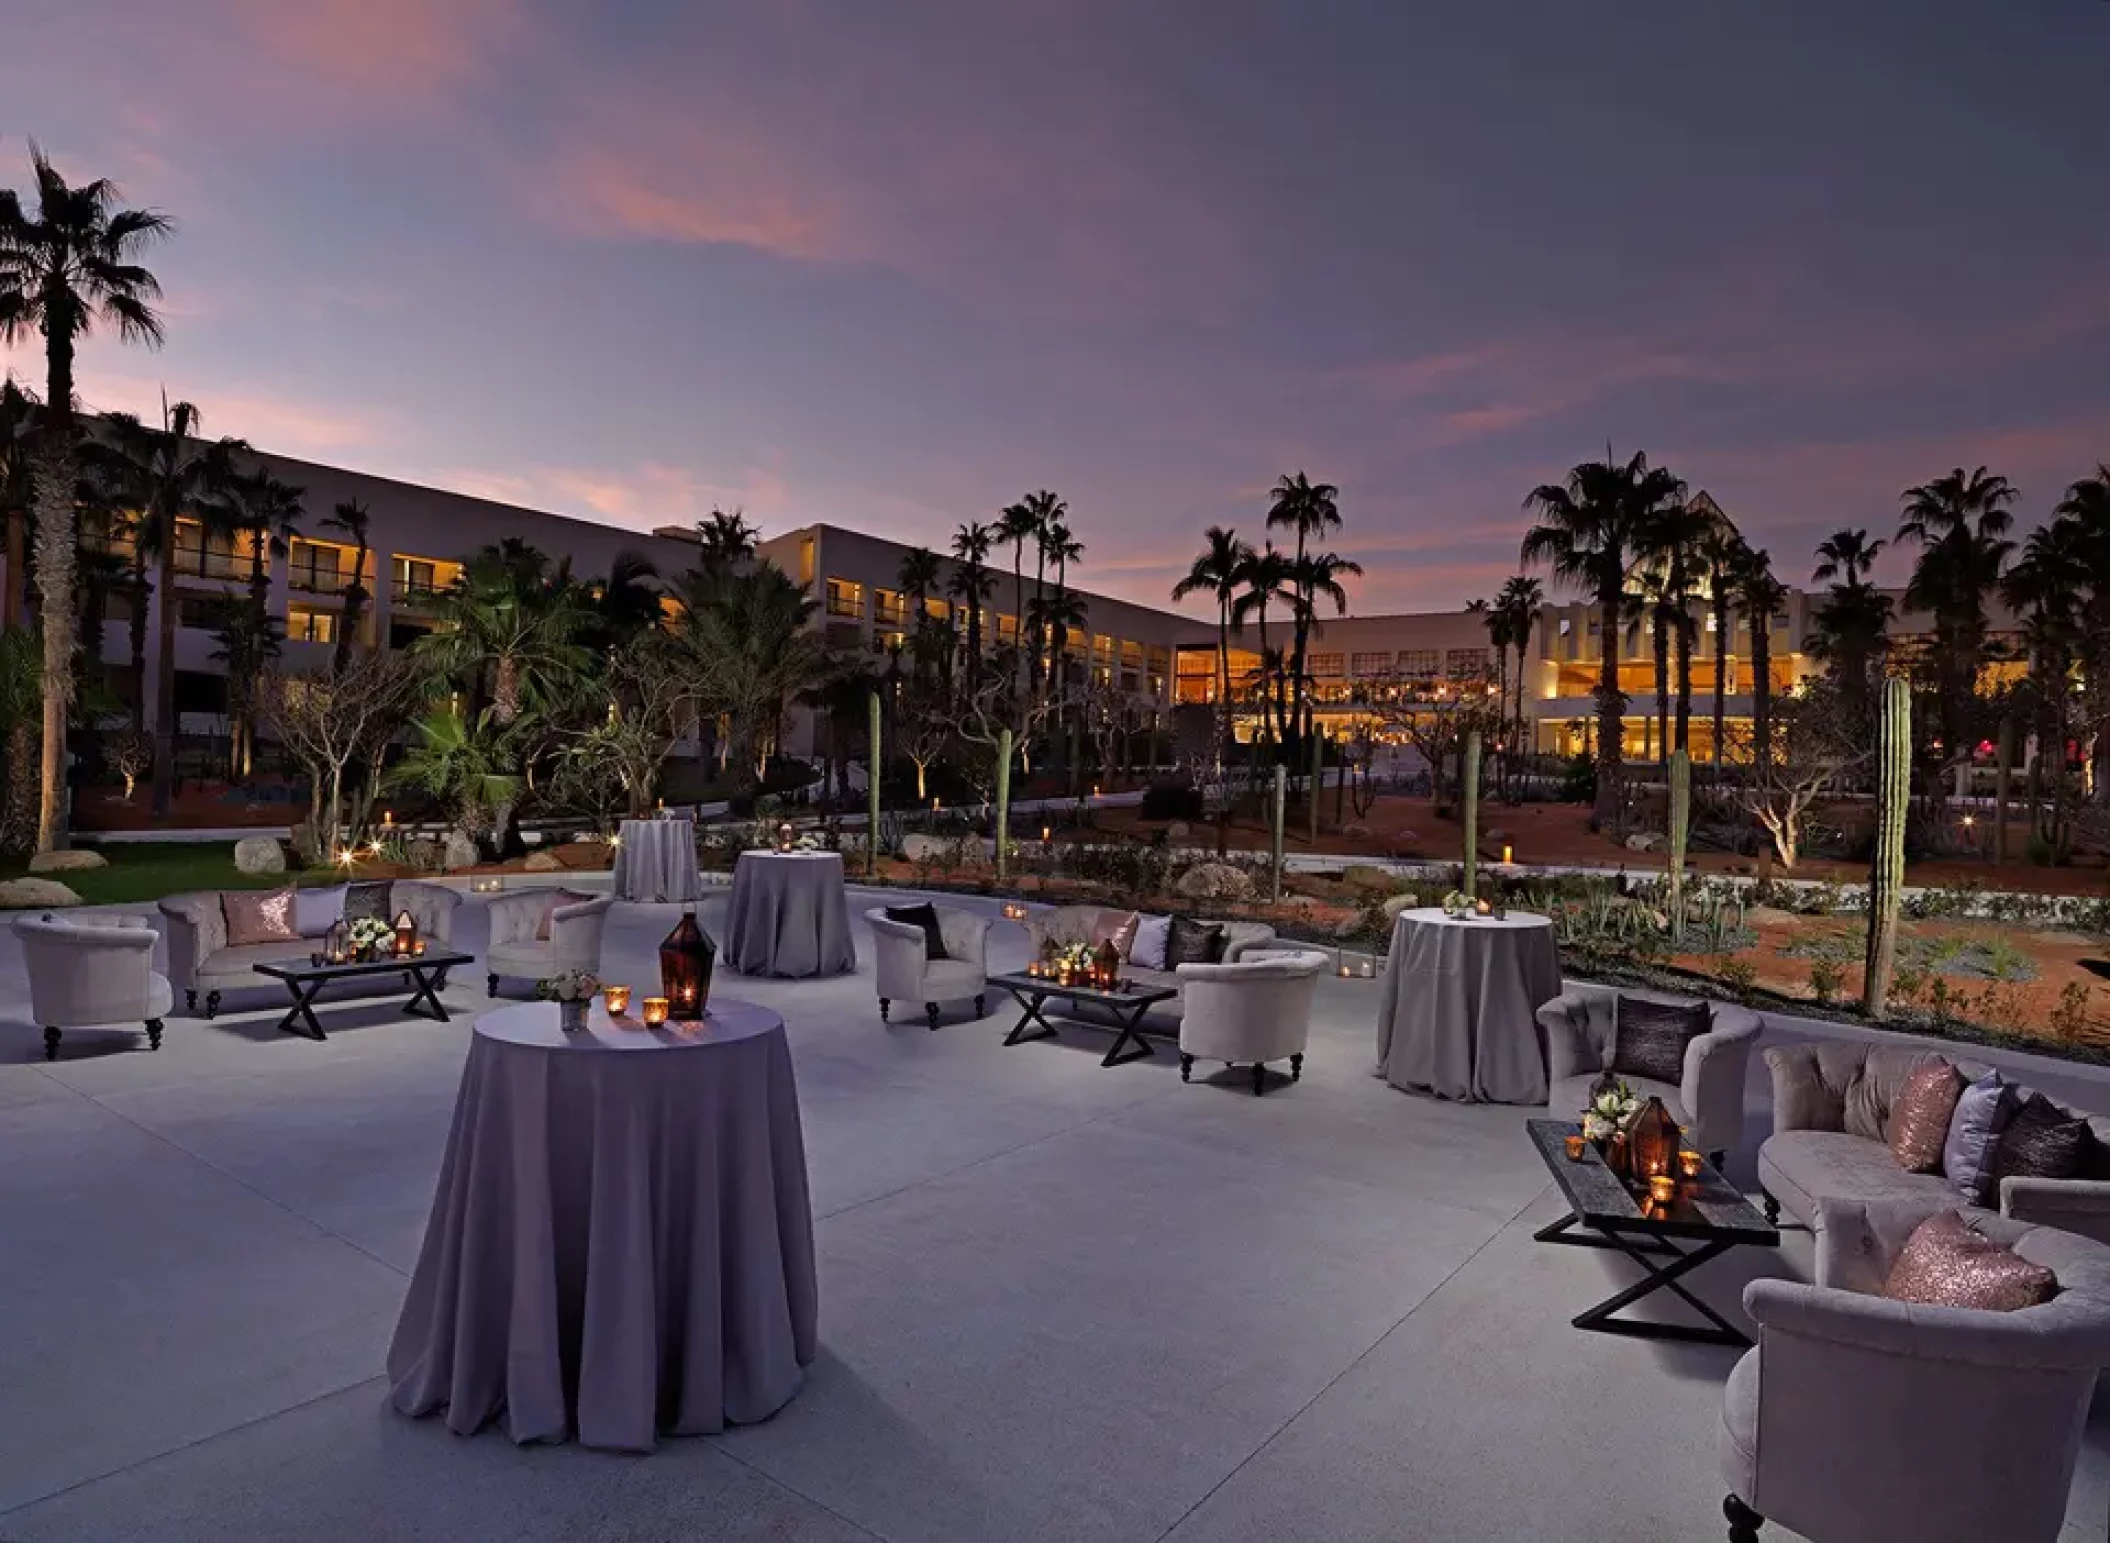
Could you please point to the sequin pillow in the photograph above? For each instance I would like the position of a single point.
(1945, 1264)
(258, 916)
(1117, 928)
(2042, 1141)
(1919, 1119)
(1649, 1038)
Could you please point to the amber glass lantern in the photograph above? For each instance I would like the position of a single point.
(1106, 965)
(785, 836)
(406, 934)
(685, 961)
(337, 942)
(1652, 1143)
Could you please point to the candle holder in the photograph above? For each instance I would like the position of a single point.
(1575, 1146)
(1663, 1189)
(617, 999)
(1013, 911)
(486, 884)
(655, 1012)
(406, 929)
(1691, 1164)
(1368, 969)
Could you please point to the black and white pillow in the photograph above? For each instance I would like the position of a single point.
(1649, 1038)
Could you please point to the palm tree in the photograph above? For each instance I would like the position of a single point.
(1846, 552)
(353, 519)
(1961, 523)
(1059, 549)
(918, 576)
(1589, 527)
(17, 432)
(752, 651)
(1317, 576)
(170, 476)
(505, 625)
(464, 763)
(1266, 580)
(621, 609)
(1311, 510)
(1496, 621)
(2046, 588)
(269, 511)
(1651, 602)
(2086, 507)
(971, 586)
(1674, 552)
(724, 540)
(1850, 630)
(1519, 602)
(1220, 572)
(1017, 525)
(1720, 552)
(72, 265)
(1758, 596)
(1030, 520)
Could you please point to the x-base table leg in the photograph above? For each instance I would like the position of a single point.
(1655, 1277)
(425, 1001)
(300, 1018)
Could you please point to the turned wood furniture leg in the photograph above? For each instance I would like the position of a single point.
(1743, 1521)
(1772, 1209)
(51, 1043)
(1186, 1067)
(190, 1001)
(884, 1004)
(1296, 1067)
(1259, 1078)
(930, 1012)
(153, 1033)
(212, 1004)
(490, 985)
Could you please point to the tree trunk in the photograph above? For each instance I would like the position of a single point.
(1762, 694)
(164, 785)
(1661, 640)
(1722, 662)
(13, 604)
(1611, 705)
(136, 635)
(1684, 639)
(56, 554)
(18, 824)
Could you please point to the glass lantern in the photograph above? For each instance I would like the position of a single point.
(337, 942)
(1652, 1143)
(406, 928)
(685, 961)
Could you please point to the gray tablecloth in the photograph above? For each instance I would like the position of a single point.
(657, 861)
(788, 915)
(621, 1245)
(1458, 1003)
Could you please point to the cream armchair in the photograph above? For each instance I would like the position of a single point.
(908, 974)
(1249, 1013)
(1582, 1036)
(1857, 1419)
(88, 974)
(572, 941)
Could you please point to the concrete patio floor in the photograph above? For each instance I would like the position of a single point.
(1058, 1301)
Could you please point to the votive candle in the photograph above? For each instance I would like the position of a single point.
(1690, 1163)
(1575, 1146)
(655, 1011)
(1663, 1189)
(617, 998)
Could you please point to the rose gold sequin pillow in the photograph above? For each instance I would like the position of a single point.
(1919, 1120)
(258, 915)
(1946, 1264)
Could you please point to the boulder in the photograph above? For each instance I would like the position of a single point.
(1178, 830)
(458, 852)
(423, 855)
(1369, 876)
(1397, 903)
(1645, 841)
(68, 861)
(1405, 844)
(1355, 831)
(259, 854)
(35, 894)
(1215, 881)
(542, 862)
(919, 848)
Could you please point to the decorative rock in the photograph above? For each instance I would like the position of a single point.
(1645, 841)
(1369, 876)
(35, 894)
(1772, 916)
(1178, 830)
(1355, 831)
(259, 854)
(542, 862)
(920, 848)
(1394, 904)
(459, 852)
(423, 855)
(67, 861)
(1215, 881)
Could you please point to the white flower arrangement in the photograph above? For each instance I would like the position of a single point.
(371, 932)
(569, 986)
(1457, 903)
(1609, 1109)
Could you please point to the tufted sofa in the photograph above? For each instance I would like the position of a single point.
(1582, 1037)
(201, 960)
(1865, 1420)
(1831, 1119)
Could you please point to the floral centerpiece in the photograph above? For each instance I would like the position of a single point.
(1458, 904)
(371, 937)
(1612, 1104)
(571, 990)
(1073, 960)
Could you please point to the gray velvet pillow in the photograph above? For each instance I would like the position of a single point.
(1193, 942)
(1649, 1038)
(1982, 1113)
(2041, 1141)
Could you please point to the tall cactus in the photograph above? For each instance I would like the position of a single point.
(1680, 834)
(1472, 815)
(1278, 797)
(1318, 775)
(872, 788)
(1886, 874)
(1003, 804)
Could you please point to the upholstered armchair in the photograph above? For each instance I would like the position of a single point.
(907, 973)
(87, 974)
(1582, 1038)
(1249, 1013)
(1857, 1419)
(538, 933)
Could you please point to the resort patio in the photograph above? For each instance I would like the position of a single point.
(1058, 1300)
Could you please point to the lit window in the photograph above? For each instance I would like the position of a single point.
(846, 598)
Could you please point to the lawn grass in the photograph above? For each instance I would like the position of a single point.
(148, 870)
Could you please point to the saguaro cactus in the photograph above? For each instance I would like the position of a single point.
(872, 788)
(1278, 797)
(1680, 833)
(1886, 873)
(1471, 807)
(1003, 804)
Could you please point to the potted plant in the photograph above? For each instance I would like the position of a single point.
(571, 990)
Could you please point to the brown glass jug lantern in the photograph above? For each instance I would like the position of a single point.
(406, 929)
(685, 961)
(1652, 1143)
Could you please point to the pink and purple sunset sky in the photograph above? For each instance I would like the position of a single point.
(894, 263)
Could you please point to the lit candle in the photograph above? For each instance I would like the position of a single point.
(1485, 907)
(617, 998)
(1509, 853)
(655, 1011)
(1574, 1144)
(1046, 834)
(1663, 1189)
(1690, 1164)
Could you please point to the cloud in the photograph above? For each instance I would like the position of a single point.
(339, 56)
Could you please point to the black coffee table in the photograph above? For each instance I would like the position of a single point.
(1124, 1007)
(428, 972)
(1709, 1213)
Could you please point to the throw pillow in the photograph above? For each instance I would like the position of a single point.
(367, 900)
(1649, 1038)
(1919, 1120)
(2042, 1141)
(1117, 928)
(1945, 1264)
(316, 911)
(1193, 942)
(926, 917)
(1982, 1111)
(1153, 934)
(258, 916)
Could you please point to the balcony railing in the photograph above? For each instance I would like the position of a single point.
(416, 592)
(319, 581)
(207, 563)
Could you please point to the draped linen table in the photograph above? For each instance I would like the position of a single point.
(1457, 1009)
(657, 861)
(788, 916)
(621, 1245)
